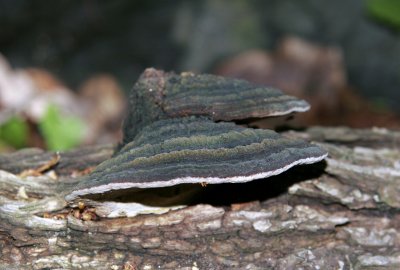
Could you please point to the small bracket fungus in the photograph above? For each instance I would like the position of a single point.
(197, 150)
(160, 95)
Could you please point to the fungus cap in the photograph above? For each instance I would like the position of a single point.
(159, 95)
(196, 150)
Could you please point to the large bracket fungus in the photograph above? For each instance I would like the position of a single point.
(171, 137)
(197, 150)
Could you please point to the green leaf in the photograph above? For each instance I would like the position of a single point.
(387, 11)
(14, 132)
(60, 132)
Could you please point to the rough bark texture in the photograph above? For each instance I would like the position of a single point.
(341, 214)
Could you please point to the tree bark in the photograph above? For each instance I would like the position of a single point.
(343, 213)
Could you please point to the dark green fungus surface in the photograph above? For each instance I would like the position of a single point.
(196, 150)
(160, 95)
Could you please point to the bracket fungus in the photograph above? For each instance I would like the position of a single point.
(196, 150)
(160, 95)
(171, 136)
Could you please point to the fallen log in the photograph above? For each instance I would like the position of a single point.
(342, 213)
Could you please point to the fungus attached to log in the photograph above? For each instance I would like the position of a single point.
(160, 95)
(197, 150)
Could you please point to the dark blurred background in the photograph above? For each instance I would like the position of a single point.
(342, 56)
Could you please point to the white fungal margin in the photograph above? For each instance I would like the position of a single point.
(291, 110)
(186, 180)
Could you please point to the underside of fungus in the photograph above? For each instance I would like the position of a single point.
(161, 95)
(197, 150)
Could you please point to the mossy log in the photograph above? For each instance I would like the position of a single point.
(343, 213)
